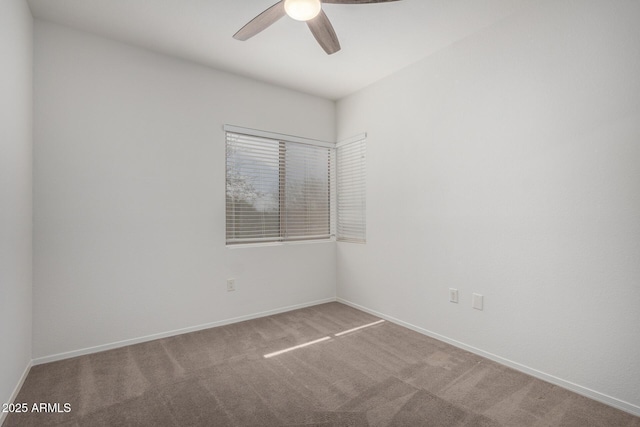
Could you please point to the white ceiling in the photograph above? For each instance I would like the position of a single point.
(376, 39)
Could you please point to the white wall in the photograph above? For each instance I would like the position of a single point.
(16, 51)
(508, 165)
(129, 205)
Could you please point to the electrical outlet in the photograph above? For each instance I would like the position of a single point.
(478, 301)
(453, 295)
(231, 285)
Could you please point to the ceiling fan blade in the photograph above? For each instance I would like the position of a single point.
(261, 22)
(356, 1)
(324, 33)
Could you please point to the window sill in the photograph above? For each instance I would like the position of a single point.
(267, 244)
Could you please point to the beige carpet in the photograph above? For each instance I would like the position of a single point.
(382, 375)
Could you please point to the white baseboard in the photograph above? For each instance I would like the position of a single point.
(16, 390)
(584, 391)
(123, 343)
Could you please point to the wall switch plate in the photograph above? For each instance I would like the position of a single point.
(231, 285)
(453, 295)
(478, 301)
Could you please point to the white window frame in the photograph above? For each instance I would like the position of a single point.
(282, 239)
(335, 214)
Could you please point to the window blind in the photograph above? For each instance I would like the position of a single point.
(351, 190)
(277, 190)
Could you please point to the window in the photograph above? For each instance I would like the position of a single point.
(279, 188)
(351, 189)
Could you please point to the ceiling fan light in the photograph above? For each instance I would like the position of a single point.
(302, 10)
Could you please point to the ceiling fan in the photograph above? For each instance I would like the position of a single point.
(309, 11)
